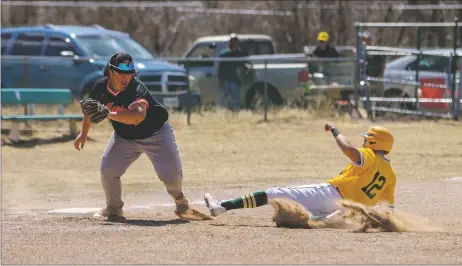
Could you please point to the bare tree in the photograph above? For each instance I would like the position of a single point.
(168, 30)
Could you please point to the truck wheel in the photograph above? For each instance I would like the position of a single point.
(255, 99)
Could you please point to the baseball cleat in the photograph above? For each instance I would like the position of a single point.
(214, 205)
(182, 206)
(113, 215)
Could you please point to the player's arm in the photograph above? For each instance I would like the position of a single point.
(135, 114)
(349, 150)
(137, 110)
(86, 125)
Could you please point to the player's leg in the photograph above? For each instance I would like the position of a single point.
(117, 157)
(223, 92)
(318, 199)
(163, 152)
(250, 200)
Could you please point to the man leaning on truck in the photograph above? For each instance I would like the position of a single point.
(228, 75)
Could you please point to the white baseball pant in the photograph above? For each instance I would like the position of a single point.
(318, 199)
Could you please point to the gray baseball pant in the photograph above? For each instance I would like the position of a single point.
(120, 153)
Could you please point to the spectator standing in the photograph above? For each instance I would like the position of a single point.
(228, 75)
(323, 48)
(375, 64)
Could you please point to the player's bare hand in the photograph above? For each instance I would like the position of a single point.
(329, 126)
(79, 141)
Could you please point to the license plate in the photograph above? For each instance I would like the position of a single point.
(172, 102)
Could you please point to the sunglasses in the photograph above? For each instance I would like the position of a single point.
(124, 67)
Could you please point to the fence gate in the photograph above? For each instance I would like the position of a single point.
(421, 82)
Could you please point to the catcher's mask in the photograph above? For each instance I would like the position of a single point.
(122, 63)
(379, 139)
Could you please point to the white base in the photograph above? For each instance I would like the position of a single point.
(88, 212)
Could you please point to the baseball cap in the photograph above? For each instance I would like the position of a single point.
(122, 63)
(233, 36)
(365, 34)
(323, 36)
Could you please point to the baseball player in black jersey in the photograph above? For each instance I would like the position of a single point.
(140, 125)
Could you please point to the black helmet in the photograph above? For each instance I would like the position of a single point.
(121, 63)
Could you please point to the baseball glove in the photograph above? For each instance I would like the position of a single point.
(96, 110)
(192, 215)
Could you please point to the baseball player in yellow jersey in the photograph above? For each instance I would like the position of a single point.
(368, 179)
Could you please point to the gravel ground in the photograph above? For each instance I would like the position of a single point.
(227, 157)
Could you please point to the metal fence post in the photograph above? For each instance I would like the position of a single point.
(266, 91)
(459, 96)
(27, 107)
(362, 55)
(455, 102)
(188, 116)
(419, 39)
(357, 71)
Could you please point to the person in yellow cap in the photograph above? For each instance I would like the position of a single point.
(323, 49)
(368, 179)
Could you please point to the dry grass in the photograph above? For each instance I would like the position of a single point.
(219, 148)
(227, 156)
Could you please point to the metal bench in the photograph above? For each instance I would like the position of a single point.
(30, 97)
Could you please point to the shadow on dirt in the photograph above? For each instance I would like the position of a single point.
(34, 142)
(139, 222)
(244, 225)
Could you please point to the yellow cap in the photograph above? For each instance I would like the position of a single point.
(323, 36)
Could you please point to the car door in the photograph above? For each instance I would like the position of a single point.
(6, 61)
(433, 69)
(23, 65)
(66, 62)
(204, 73)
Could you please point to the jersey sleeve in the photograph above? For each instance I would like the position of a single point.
(141, 97)
(367, 157)
(95, 92)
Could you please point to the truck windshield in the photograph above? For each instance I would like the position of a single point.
(105, 46)
(256, 47)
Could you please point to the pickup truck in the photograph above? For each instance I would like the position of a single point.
(285, 80)
(68, 56)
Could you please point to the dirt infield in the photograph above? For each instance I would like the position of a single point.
(227, 157)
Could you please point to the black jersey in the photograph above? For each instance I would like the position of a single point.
(136, 92)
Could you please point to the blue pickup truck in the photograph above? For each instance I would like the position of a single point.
(66, 56)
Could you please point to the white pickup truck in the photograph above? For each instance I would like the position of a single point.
(286, 80)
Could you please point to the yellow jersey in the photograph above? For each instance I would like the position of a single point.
(370, 182)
